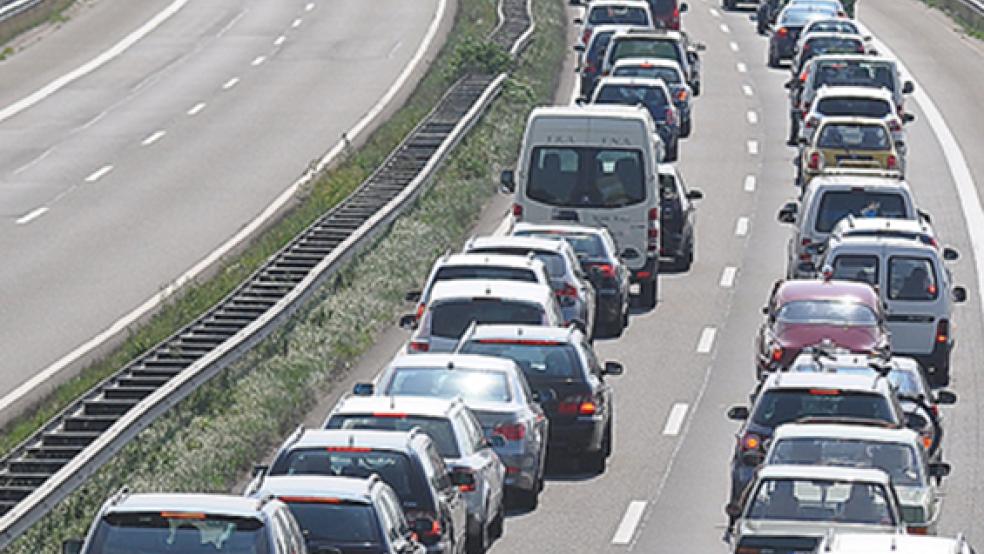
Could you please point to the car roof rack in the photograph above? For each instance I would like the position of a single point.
(120, 495)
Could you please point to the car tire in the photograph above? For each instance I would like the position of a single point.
(685, 261)
(673, 154)
(696, 88)
(647, 292)
(686, 127)
(773, 59)
(478, 543)
(497, 527)
(528, 499)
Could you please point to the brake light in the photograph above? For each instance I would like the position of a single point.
(420, 310)
(309, 500)
(943, 332)
(587, 408)
(470, 487)
(670, 116)
(643, 274)
(803, 77)
(814, 160)
(783, 32)
(812, 122)
(517, 211)
(682, 95)
(586, 36)
(805, 241)
(394, 415)
(825, 392)
(751, 441)
(653, 230)
(567, 292)
(510, 431)
(917, 530)
(776, 353)
(577, 406)
(360, 449)
(183, 515)
(892, 162)
(927, 441)
(895, 126)
(419, 346)
(607, 270)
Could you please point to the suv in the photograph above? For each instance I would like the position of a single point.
(459, 439)
(655, 96)
(407, 461)
(164, 523)
(563, 370)
(343, 513)
(868, 543)
(831, 197)
(667, 45)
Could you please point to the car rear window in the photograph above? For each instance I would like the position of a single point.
(813, 312)
(821, 500)
(336, 523)
(836, 205)
(855, 73)
(798, 18)
(856, 267)
(470, 385)
(898, 460)
(669, 75)
(662, 7)
(644, 48)
(833, 26)
(585, 245)
(484, 272)
(860, 107)
(779, 406)
(394, 467)
(438, 428)
(632, 95)
(168, 532)
(449, 319)
(584, 177)
(854, 137)
(912, 279)
(554, 261)
(540, 360)
(618, 15)
(833, 45)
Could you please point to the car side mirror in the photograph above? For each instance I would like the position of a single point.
(765, 310)
(408, 321)
(908, 118)
(613, 368)
(816, 248)
(946, 398)
(923, 215)
(413, 296)
(939, 470)
(508, 181)
(788, 213)
(695, 194)
(915, 422)
(496, 441)
(364, 389)
(700, 47)
(738, 413)
(259, 470)
(461, 477)
(950, 254)
(684, 7)
(578, 21)
(908, 87)
(579, 48)
(72, 546)
(733, 510)
(959, 295)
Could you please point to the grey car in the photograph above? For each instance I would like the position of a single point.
(496, 391)
(459, 439)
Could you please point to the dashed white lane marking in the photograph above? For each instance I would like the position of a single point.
(309, 6)
(750, 183)
(153, 137)
(297, 23)
(741, 226)
(31, 216)
(725, 28)
(728, 277)
(630, 521)
(742, 68)
(753, 147)
(230, 83)
(706, 342)
(280, 40)
(748, 90)
(258, 60)
(753, 117)
(733, 45)
(196, 108)
(99, 174)
(715, 13)
(678, 414)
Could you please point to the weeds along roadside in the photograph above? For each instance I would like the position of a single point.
(211, 439)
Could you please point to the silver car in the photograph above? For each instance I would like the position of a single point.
(459, 439)
(496, 391)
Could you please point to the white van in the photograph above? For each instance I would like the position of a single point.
(916, 288)
(597, 166)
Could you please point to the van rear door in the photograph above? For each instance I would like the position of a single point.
(913, 291)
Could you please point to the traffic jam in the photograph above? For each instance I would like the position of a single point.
(840, 447)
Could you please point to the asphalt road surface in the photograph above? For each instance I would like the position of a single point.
(132, 171)
(691, 358)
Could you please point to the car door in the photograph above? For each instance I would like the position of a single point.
(687, 209)
(483, 458)
(457, 510)
(671, 213)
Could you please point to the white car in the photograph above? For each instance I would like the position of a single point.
(856, 543)
(613, 12)
(866, 102)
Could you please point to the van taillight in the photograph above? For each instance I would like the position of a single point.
(517, 211)
(653, 229)
(943, 332)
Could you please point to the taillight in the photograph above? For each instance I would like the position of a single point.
(567, 291)
(814, 160)
(682, 95)
(607, 270)
(750, 441)
(431, 535)
(517, 211)
(577, 406)
(420, 310)
(783, 32)
(419, 346)
(927, 441)
(803, 77)
(895, 126)
(776, 353)
(510, 431)
(943, 332)
(805, 241)
(812, 122)
(670, 117)
(917, 530)
(467, 488)
(586, 37)
(892, 162)
(653, 229)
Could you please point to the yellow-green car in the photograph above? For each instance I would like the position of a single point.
(849, 143)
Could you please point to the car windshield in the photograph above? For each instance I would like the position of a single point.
(912, 279)
(554, 261)
(393, 467)
(815, 312)
(800, 17)
(652, 97)
(644, 48)
(618, 15)
(832, 45)
(899, 461)
(669, 75)
(585, 177)
(854, 137)
(185, 532)
(335, 522)
(470, 385)
(437, 428)
(484, 272)
(780, 406)
(833, 26)
(854, 107)
(857, 73)
(863, 269)
(838, 204)
(449, 319)
(541, 360)
(821, 500)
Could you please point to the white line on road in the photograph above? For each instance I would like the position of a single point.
(706, 342)
(309, 6)
(34, 162)
(626, 529)
(748, 90)
(678, 414)
(753, 117)
(153, 137)
(280, 40)
(32, 215)
(93, 64)
(258, 60)
(741, 226)
(750, 183)
(196, 108)
(728, 276)
(296, 23)
(230, 83)
(733, 45)
(725, 28)
(715, 13)
(753, 147)
(742, 68)
(99, 174)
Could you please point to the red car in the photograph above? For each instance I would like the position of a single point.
(666, 13)
(804, 313)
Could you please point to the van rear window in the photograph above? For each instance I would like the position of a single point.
(586, 177)
(618, 15)
(836, 205)
(912, 279)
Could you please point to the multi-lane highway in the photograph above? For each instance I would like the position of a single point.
(691, 358)
(140, 137)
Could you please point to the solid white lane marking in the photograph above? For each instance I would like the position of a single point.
(309, 6)
(230, 83)
(258, 60)
(733, 45)
(748, 90)
(753, 117)
(153, 137)
(503, 227)
(678, 414)
(31, 216)
(741, 226)
(753, 147)
(93, 64)
(99, 174)
(196, 108)
(280, 40)
(630, 521)
(296, 23)
(706, 342)
(742, 68)
(750, 183)
(728, 276)
(725, 28)
(715, 13)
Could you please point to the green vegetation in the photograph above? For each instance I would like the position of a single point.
(209, 441)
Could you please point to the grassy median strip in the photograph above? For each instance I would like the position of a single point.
(476, 18)
(211, 439)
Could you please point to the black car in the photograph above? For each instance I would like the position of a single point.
(567, 379)
(786, 32)
(592, 56)
(407, 461)
(598, 254)
(678, 215)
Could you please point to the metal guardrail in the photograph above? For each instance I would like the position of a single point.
(69, 449)
(10, 8)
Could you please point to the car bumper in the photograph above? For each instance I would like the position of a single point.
(936, 364)
(784, 49)
(610, 304)
(521, 470)
(647, 271)
(582, 435)
(671, 244)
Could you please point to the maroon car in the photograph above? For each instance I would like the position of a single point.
(803, 313)
(666, 13)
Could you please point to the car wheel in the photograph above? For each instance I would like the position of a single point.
(479, 542)
(609, 436)
(686, 260)
(673, 154)
(773, 59)
(696, 88)
(497, 526)
(647, 293)
(686, 127)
